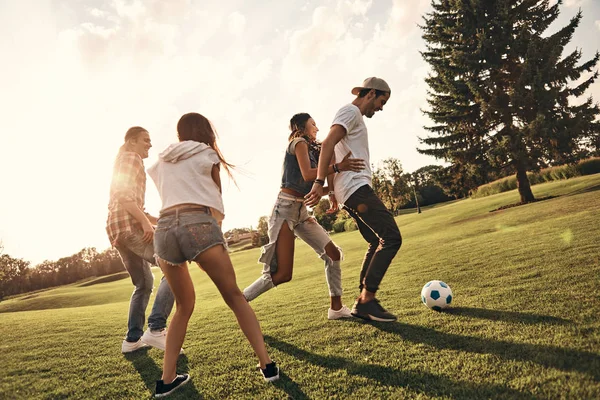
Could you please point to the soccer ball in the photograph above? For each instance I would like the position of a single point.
(436, 295)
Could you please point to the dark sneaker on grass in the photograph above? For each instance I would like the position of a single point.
(271, 372)
(372, 311)
(165, 389)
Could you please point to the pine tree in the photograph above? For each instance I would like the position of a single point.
(500, 93)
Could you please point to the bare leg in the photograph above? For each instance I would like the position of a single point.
(332, 251)
(285, 255)
(185, 297)
(216, 263)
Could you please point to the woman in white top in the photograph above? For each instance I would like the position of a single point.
(189, 229)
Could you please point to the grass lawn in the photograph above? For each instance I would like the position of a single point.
(524, 322)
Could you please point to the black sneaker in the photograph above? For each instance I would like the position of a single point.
(271, 372)
(165, 389)
(372, 311)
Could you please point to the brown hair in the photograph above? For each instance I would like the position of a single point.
(196, 127)
(132, 133)
(298, 124)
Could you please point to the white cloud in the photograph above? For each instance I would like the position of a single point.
(237, 23)
(574, 3)
(131, 10)
(359, 7)
(597, 23)
(97, 13)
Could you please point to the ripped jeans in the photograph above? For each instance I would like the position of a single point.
(291, 210)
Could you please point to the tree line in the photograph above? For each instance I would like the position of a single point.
(19, 276)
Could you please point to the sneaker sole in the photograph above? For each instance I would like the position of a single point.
(174, 389)
(370, 317)
(340, 317)
(145, 346)
(149, 344)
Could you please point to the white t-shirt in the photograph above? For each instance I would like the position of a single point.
(182, 175)
(356, 140)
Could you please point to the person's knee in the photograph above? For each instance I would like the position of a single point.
(393, 241)
(333, 252)
(145, 285)
(231, 294)
(282, 278)
(186, 308)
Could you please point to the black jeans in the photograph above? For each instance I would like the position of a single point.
(377, 226)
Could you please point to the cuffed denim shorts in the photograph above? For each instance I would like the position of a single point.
(182, 237)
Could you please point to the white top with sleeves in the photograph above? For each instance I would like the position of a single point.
(182, 175)
(356, 141)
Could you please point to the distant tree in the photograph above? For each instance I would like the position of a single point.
(323, 218)
(390, 184)
(13, 275)
(429, 191)
(500, 91)
(261, 236)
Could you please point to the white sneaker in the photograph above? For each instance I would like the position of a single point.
(343, 312)
(128, 347)
(156, 339)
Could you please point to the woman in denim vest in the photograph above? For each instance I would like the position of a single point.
(290, 217)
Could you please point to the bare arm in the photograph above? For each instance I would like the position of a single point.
(141, 217)
(216, 177)
(336, 133)
(310, 174)
(153, 220)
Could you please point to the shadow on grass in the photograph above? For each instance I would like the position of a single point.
(507, 206)
(584, 190)
(150, 373)
(548, 356)
(424, 382)
(292, 389)
(507, 316)
(105, 279)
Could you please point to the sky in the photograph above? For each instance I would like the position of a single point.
(76, 75)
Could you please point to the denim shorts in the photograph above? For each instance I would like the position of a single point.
(182, 237)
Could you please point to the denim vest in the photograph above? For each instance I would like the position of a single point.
(291, 176)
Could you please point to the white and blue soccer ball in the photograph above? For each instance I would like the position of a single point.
(436, 295)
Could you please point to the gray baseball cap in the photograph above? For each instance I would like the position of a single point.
(373, 83)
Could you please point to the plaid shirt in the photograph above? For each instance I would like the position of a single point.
(128, 184)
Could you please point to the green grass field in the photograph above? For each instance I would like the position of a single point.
(524, 322)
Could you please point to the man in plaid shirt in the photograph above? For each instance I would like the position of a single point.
(131, 232)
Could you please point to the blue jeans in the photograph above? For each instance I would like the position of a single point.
(137, 257)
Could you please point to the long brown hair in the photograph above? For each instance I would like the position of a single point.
(196, 127)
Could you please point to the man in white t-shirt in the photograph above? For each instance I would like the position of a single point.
(354, 191)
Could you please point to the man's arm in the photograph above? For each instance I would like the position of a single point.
(124, 191)
(336, 133)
